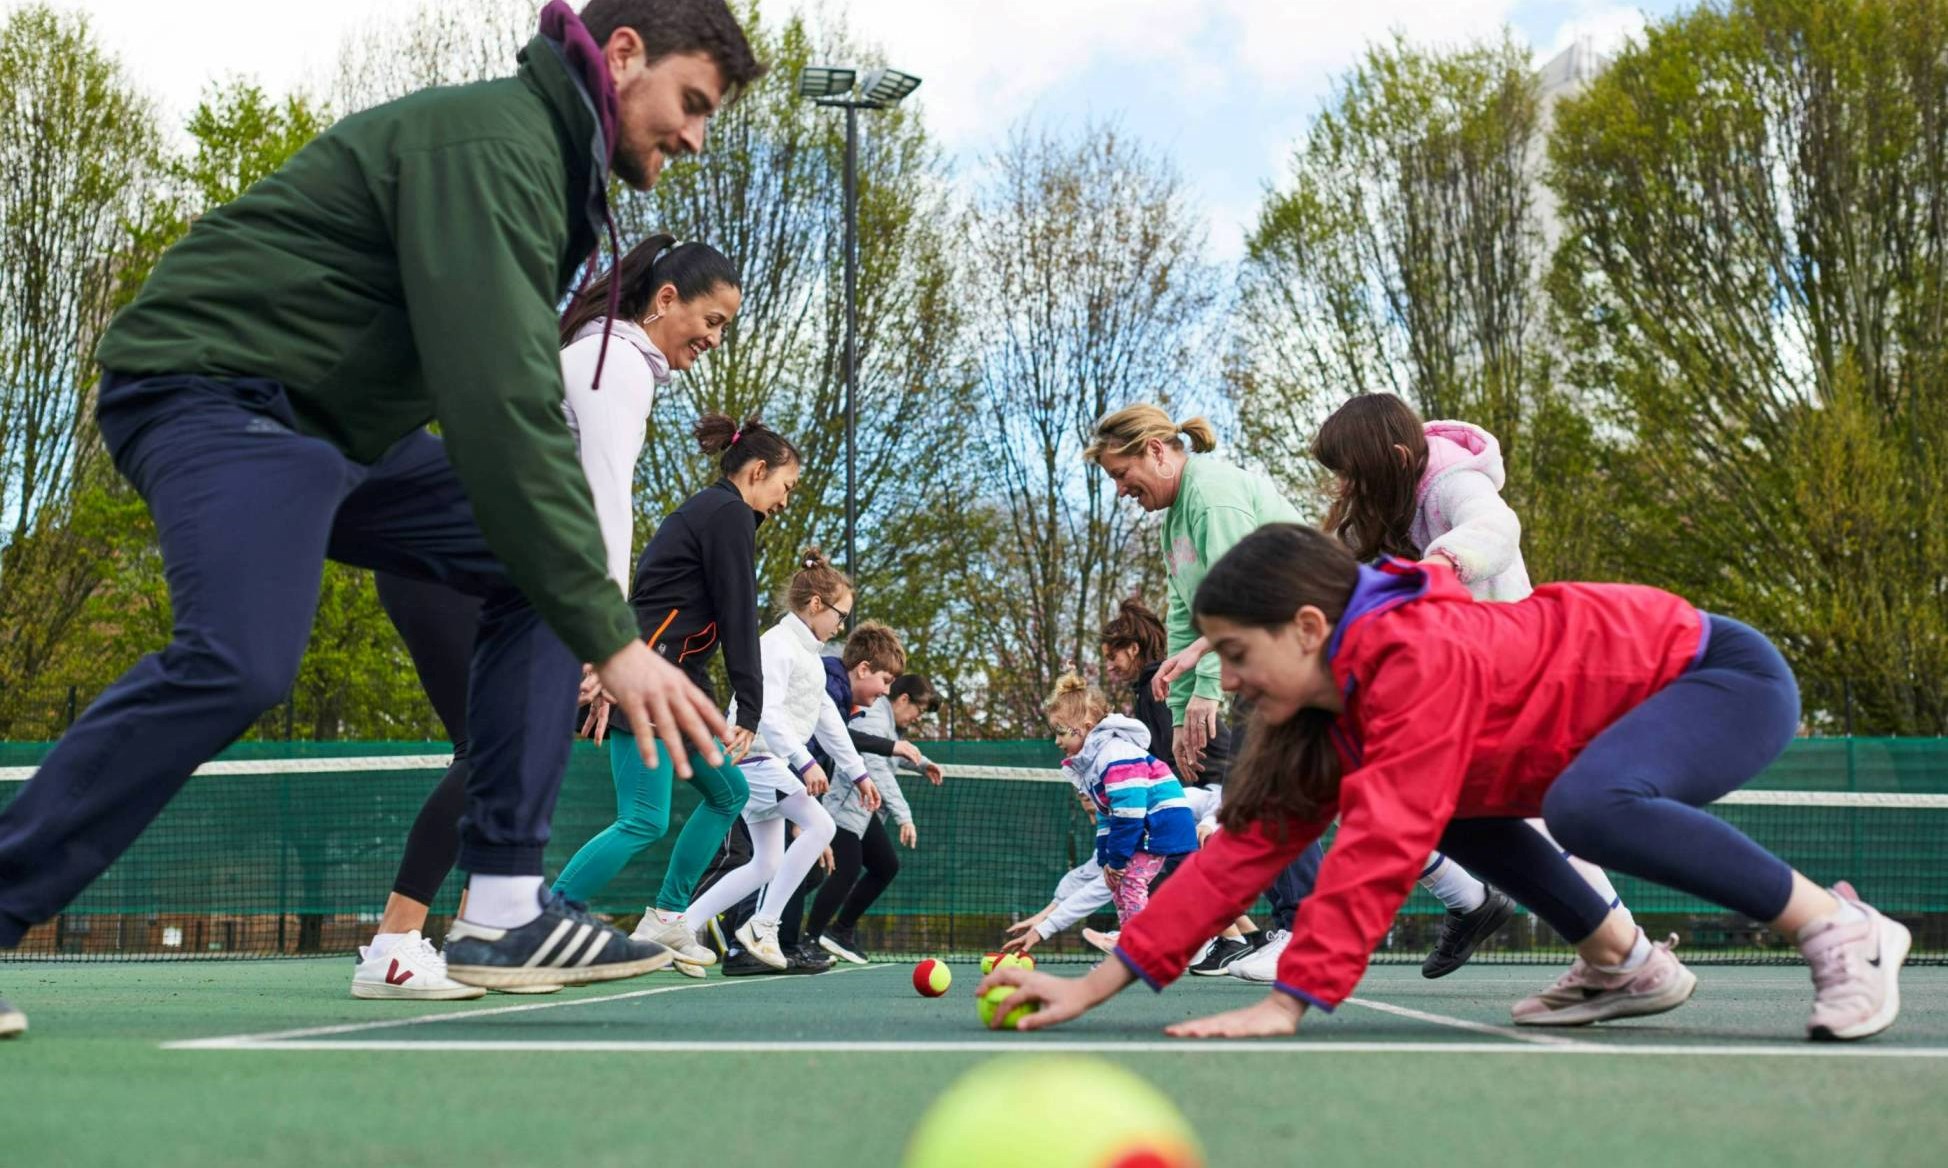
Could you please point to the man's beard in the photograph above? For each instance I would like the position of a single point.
(630, 167)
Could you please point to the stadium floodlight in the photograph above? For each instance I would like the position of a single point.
(887, 87)
(825, 81)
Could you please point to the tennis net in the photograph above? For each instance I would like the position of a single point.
(289, 849)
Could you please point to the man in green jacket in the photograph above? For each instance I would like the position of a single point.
(267, 394)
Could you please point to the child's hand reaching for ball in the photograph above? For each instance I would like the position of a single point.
(1060, 998)
(1023, 942)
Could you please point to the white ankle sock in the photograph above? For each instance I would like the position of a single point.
(667, 917)
(382, 943)
(503, 902)
(1847, 914)
(1454, 885)
(1639, 953)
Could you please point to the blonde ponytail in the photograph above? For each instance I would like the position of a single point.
(1127, 431)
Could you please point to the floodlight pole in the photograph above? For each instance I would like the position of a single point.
(851, 345)
(850, 358)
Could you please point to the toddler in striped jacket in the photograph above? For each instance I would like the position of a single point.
(1142, 815)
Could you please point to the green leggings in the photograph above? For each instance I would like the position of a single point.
(643, 815)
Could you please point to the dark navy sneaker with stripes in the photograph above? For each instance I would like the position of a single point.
(562, 946)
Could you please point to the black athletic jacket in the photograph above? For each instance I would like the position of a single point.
(696, 584)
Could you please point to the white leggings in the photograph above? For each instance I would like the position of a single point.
(774, 867)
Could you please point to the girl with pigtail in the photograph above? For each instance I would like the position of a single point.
(785, 781)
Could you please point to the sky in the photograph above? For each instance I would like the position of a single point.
(1225, 88)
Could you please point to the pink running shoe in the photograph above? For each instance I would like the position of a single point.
(1586, 994)
(1856, 971)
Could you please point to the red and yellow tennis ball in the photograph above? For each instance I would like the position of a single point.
(932, 978)
(1059, 1112)
(993, 961)
(989, 1005)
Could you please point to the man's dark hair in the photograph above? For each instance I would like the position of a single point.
(669, 27)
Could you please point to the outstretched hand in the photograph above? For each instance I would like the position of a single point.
(1176, 665)
(660, 703)
(1275, 1015)
(1061, 998)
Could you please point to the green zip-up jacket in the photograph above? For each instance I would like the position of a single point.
(1217, 505)
(405, 267)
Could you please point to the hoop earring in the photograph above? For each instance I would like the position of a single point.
(650, 320)
(1166, 472)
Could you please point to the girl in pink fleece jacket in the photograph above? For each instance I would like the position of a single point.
(1429, 491)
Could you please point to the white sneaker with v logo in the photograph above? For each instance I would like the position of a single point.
(410, 968)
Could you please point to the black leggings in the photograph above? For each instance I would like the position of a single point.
(872, 852)
(438, 626)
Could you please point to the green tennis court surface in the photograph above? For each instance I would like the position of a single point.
(270, 1063)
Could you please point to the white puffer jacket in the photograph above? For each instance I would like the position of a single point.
(1460, 513)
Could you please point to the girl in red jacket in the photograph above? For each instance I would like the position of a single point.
(1390, 699)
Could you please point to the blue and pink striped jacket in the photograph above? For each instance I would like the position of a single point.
(1140, 805)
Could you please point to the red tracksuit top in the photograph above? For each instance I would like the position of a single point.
(1454, 709)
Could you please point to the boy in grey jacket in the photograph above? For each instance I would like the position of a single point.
(864, 860)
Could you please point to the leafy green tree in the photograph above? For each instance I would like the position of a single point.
(1404, 254)
(1754, 281)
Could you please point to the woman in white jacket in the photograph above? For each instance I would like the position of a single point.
(671, 304)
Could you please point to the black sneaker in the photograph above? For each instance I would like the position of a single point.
(1223, 952)
(806, 959)
(562, 946)
(1463, 933)
(12, 1021)
(844, 945)
(743, 964)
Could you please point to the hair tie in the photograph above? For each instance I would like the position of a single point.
(737, 437)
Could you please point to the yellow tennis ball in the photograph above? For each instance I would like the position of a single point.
(990, 960)
(1059, 1112)
(990, 1003)
(931, 978)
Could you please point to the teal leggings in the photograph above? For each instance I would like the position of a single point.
(643, 815)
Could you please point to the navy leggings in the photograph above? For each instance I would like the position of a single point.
(1630, 801)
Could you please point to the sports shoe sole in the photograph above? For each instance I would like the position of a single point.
(1605, 1009)
(380, 991)
(841, 952)
(12, 1024)
(688, 968)
(502, 977)
(1221, 969)
(1893, 954)
(1487, 927)
(553, 987)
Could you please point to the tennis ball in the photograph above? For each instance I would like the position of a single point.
(990, 960)
(1053, 1112)
(990, 1003)
(932, 978)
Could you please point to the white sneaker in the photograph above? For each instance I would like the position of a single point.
(12, 1021)
(760, 940)
(687, 969)
(410, 968)
(1261, 966)
(1856, 971)
(669, 931)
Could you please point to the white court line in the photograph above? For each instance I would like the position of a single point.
(268, 1038)
(1039, 1046)
(1528, 1036)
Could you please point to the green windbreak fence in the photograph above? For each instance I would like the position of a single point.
(290, 848)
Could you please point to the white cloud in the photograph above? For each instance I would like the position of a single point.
(174, 49)
(985, 64)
